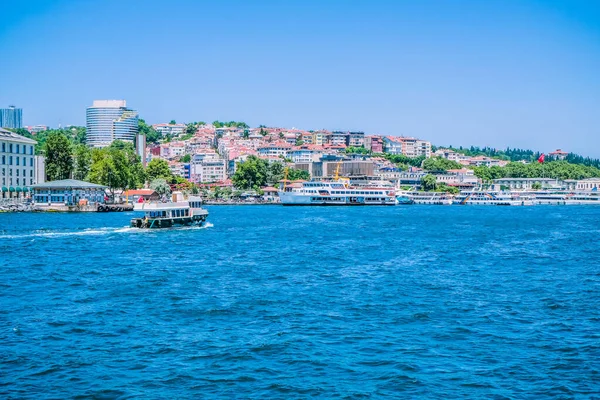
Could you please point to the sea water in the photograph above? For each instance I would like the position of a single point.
(275, 302)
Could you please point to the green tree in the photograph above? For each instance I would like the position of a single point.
(83, 162)
(186, 158)
(172, 122)
(250, 174)
(191, 128)
(438, 164)
(152, 136)
(298, 174)
(429, 182)
(59, 156)
(158, 168)
(536, 186)
(281, 135)
(161, 187)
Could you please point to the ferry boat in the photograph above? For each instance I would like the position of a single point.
(165, 214)
(430, 198)
(335, 193)
(565, 198)
(491, 198)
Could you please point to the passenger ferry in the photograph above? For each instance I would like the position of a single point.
(565, 198)
(335, 193)
(491, 198)
(165, 214)
(430, 198)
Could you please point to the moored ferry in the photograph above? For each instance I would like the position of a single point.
(165, 214)
(430, 198)
(492, 198)
(565, 198)
(336, 193)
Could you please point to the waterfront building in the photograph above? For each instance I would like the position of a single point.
(590, 184)
(68, 192)
(528, 183)
(16, 163)
(11, 117)
(461, 178)
(109, 120)
(407, 146)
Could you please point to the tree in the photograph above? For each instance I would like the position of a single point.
(536, 186)
(59, 157)
(438, 164)
(83, 162)
(186, 158)
(172, 122)
(152, 136)
(158, 168)
(429, 182)
(281, 135)
(298, 174)
(191, 128)
(161, 187)
(250, 174)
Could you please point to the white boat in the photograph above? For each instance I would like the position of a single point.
(430, 198)
(565, 198)
(335, 193)
(492, 198)
(175, 212)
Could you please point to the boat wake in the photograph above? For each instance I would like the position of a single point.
(42, 233)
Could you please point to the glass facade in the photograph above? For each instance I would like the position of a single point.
(109, 120)
(11, 117)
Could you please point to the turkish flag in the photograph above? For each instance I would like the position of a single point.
(141, 199)
(541, 159)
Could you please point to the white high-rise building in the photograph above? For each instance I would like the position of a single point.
(109, 120)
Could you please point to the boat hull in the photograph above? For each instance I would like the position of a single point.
(157, 223)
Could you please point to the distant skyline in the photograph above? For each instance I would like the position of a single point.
(465, 72)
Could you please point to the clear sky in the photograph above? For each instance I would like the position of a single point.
(486, 72)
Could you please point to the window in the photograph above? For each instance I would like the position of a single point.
(17, 149)
(9, 160)
(3, 159)
(31, 162)
(17, 159)
(31, 150)
(4, 147)
(10, 148)
(17, 172)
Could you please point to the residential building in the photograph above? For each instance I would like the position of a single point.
(355, 139)
(407, 146)
(17, 163)
(558, 154)
(11, 117)
(170, 129)
(36, 128)
(319, 138)
(280, 149)
(109, 120)
(209, 170)
(374, 144)
(338, 138)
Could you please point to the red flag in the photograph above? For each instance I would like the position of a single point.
(141, 199)
(541, 159)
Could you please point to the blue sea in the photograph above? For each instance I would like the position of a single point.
(293, 303)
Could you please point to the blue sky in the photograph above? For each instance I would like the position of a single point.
(497, 73)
